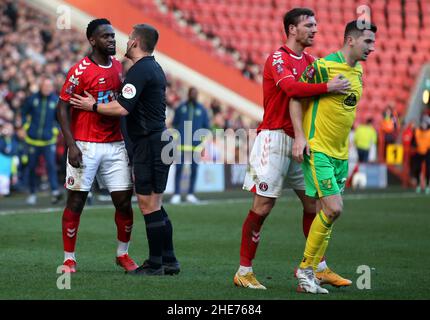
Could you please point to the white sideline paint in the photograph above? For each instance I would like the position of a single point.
(80, 19)
(403, 195)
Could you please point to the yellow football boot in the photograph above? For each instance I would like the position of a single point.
(329, 277)
(247, 281)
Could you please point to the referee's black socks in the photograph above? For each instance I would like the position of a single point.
(168, 251)
(155, 226)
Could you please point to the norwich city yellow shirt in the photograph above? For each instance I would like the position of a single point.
(328, 118)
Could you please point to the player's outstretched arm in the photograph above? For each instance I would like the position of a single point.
(74, 153)
(87, 102)
(297, 89)
(300, 143)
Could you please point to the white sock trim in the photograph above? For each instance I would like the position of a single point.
(244, 270)
(69, 256)
(122, 248)
(322, 266)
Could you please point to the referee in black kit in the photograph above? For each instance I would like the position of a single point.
(143, 101)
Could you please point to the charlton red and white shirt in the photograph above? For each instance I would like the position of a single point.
(104, 84)
(280, 65)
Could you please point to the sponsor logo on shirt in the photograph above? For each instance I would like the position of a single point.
(277, 61)
(350, 102)
(74, 80)
(129, 91)
(70, 89)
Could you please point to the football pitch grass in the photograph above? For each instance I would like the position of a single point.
(387, 232)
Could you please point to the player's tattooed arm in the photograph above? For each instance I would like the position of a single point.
(74, 153)
(300, 143)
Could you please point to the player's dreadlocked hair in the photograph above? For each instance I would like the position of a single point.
(92, 26)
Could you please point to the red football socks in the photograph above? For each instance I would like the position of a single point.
(70, 229)
(250, 238)
(308, 218)
(124, 225)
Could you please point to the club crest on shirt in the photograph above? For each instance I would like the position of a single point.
(129, 91)
(310, 72)
(279, 69)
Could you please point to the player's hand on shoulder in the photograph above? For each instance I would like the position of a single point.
(75, 156)
(300, 146)
(83, 102)
(339, 84)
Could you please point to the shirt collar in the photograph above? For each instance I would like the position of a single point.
(292, 53)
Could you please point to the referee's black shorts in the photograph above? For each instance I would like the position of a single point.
(150, 171)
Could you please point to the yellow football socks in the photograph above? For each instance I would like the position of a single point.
(322, 250)
(317, 241)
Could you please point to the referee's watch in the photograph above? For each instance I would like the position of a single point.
(95, 106)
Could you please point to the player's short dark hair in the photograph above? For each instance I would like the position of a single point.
(355, 29)
(148, 36)
(293, 17)
(92, 26)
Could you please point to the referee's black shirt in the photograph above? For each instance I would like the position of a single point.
(143, 95)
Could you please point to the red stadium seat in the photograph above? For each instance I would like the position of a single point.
(254, 28)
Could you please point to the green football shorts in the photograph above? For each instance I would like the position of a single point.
(324, 175)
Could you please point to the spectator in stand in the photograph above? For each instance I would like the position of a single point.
(192, 113)
(8, 148)
(407, 138)
(31, 45)
(364, 138)
(389, 125)
(422, 143)
(39, 121)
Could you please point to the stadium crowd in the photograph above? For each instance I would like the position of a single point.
(32, 47)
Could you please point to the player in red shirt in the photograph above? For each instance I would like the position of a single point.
(95, 143)
(271, 160)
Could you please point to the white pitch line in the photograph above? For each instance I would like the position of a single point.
(47, 210)
(403, 195)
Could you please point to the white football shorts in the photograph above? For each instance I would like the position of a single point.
(107, 161)
(271, 163)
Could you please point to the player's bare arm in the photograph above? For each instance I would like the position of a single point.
(86, 103)
(74, 153)
(300, 142)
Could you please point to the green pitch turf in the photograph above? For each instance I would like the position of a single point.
(389, 233)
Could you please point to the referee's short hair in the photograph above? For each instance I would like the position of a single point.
(148, 36)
